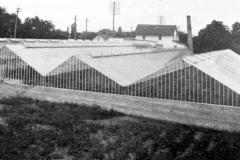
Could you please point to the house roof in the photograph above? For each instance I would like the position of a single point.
(155, 30)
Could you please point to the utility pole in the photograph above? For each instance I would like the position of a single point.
(113, 14)
(131, 32)
(15, 31)
(75, 28)
(86, 26)
(114, 9)
(161, 20)
(68, 32)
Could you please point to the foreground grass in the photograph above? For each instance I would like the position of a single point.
(31, 129)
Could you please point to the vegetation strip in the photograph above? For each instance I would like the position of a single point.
(32, 129)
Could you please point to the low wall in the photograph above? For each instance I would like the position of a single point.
(213, 116)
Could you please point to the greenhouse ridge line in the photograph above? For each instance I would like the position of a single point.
(142, 51)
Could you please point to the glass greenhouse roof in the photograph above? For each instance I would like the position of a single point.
(224, 66)
(124, 65)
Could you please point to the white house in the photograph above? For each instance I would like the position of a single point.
(164, 35)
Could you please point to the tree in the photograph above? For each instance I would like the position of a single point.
(7, 24)
(59, 34)
(106, 32)
(120, 29)
(214, 37)
(236, 30)
(72, 31)
(37, 28)
(235, 43)
(182, 37)
(90, 35)
(123, 35)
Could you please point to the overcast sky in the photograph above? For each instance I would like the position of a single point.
(132, 12)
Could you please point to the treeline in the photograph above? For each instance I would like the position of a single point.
(44, 29)
(30, 28)
(215, 36)
(107, 33)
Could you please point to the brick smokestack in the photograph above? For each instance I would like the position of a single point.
(189, 34)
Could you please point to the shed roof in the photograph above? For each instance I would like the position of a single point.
(155, 30)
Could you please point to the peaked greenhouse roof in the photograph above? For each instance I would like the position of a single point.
(127, 65)
(124, 65)
(127, 69)
(224, 66)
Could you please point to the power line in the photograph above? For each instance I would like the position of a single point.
(15, 30)
(86, 26)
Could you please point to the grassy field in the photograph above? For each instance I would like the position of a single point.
(32, 129)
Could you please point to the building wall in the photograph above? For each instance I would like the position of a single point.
(175, 37)
(149, 38)
(213, 116)
(166, 41)
(156, 38)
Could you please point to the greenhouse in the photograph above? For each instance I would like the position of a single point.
(172, 74)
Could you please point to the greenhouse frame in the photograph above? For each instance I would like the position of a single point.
(172, 74)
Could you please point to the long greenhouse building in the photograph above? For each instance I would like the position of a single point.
(173, 74)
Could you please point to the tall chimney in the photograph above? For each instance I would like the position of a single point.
(189, 33)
